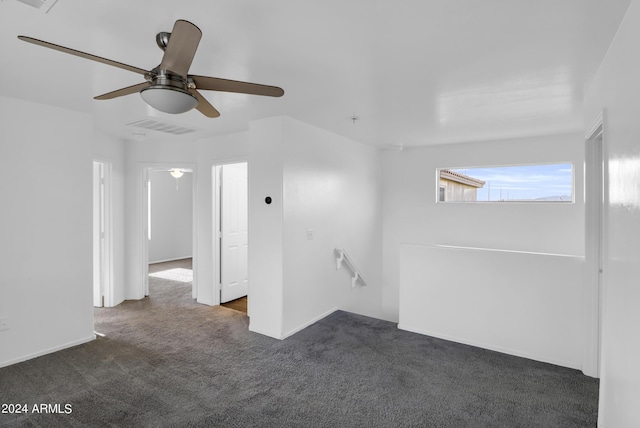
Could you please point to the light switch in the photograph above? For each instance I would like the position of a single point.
(309, 234)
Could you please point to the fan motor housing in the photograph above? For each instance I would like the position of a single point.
(168, 92)
(166, 78)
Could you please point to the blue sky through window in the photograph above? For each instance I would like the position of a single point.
(549, 182)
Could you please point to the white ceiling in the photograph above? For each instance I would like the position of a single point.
(415, 72)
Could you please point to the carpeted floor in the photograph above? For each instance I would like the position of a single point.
(167, 361)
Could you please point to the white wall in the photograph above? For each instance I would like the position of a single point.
(316, 180)
(110, 149)
(331, 186)
(616, 89)
(46, 229)
(524, 304)
(171, 217)
(320, 181)
(411, 215)
(266, 261)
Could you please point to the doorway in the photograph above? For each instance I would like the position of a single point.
(595, 240)
(102, 235)
(169, 225)
(232, 234)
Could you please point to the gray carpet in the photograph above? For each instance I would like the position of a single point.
(167, 361)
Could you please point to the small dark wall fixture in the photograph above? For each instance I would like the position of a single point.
(267, 200)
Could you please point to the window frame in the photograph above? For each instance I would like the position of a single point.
(521, 201)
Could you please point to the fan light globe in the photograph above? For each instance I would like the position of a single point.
(176, 172)
(169, 99)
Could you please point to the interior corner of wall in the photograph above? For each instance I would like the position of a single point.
(257, 329)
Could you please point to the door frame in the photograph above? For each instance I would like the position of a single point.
(596, 242)
(144, 222)
(106, 213)
(216, 207)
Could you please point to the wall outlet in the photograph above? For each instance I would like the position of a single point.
(4, 324)
(309, 234)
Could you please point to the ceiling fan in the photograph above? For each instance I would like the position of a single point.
(168, 87)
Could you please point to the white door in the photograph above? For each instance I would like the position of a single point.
(234, 232)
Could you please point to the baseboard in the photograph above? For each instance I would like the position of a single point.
(295, 330)
(47, 351)
(264, 333)
(508, 351)
(116, 304)
(308, 323)
(170, 260)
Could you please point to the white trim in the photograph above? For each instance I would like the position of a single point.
(496, 250)
(595, 244)
(563, 363)
(293, 331)
(110, 274)
(108, 279)
(175, 259)
(146, 231)
(216, 170)
(307, 324)
(264, 333)
(144, 169)
(596, 128)
(194, 233)
(47, 351)
(107, 258)
(439, 183)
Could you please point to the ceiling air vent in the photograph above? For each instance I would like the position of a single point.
(156, 125)
(42, 5)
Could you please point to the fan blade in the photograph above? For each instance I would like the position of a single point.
(183, 43)
(204, 106)
(225, 85)
(83, 55)
(121, 92)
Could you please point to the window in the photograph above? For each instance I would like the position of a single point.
(514, 183)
